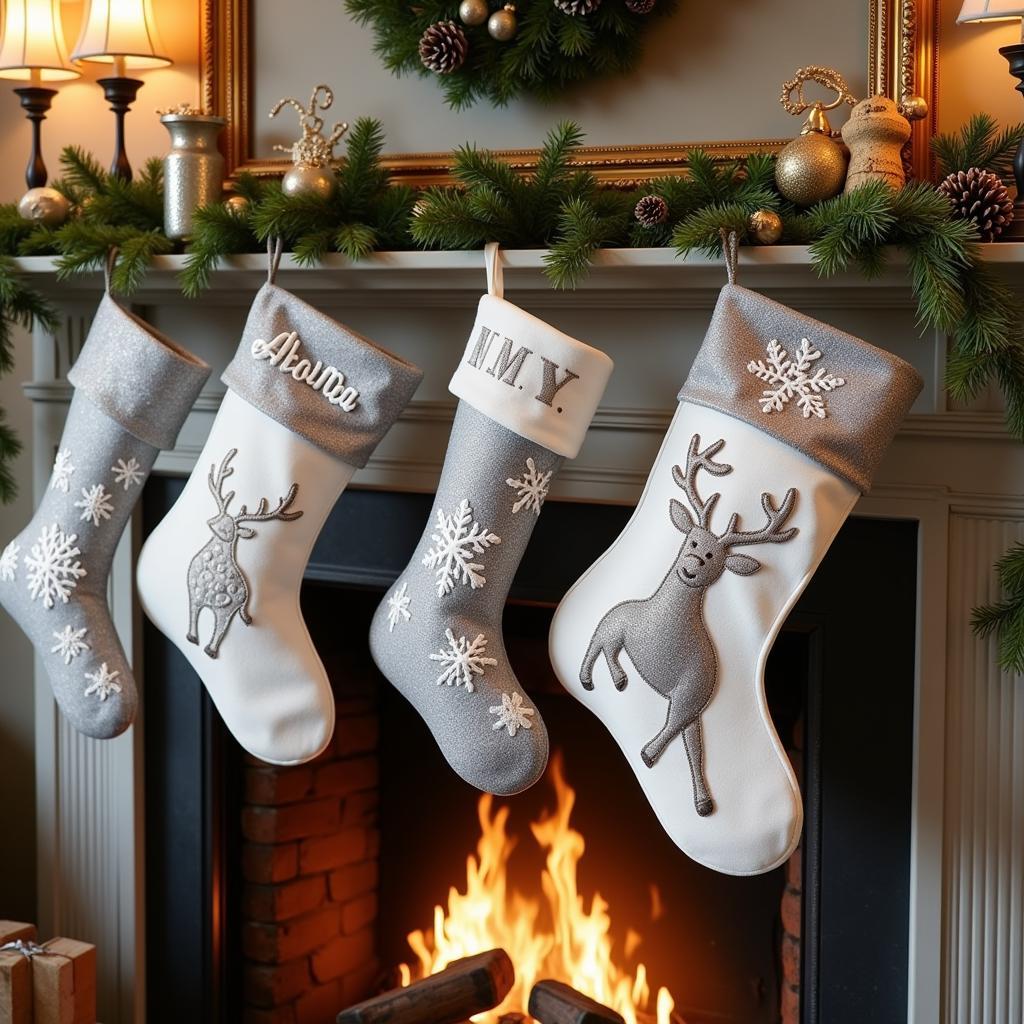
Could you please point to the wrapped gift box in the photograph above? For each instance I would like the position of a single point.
(15, 974)
(64, 983)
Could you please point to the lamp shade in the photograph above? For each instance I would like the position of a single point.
(990, 10)
(33, 42)
(121, 32)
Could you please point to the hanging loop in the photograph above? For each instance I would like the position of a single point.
(275, 247)
(495, 274)
(108, 267)
(730, 251)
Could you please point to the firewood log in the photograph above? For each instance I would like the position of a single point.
(554, 1002)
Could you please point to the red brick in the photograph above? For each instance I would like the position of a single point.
(281, 902)
(277, 785)
(356, 735)
(277, 943)
(279, 1015)
(794, 869)
(791, 905)
(274, 985)
(360, 808)
(323, 854)
(294, 821)
(791, 960)
(266, 864)
(790, 1005)
(343, 954)
(358, 913)
(372, 842)
(343, 777)
(354, 880)
(320, 1005)
(362, 983)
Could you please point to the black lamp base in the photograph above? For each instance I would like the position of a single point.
(1015, 231)
(35, 101)
(120, 93)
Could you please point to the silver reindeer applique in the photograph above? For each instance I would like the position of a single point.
(665, 635)
(215, 579)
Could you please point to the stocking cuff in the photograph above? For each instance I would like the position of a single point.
(530, 378)
(136, 376)
(834, 397)
(318, 378)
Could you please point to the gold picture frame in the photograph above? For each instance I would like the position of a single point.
(901, 63)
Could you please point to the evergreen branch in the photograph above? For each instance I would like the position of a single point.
(979, 143)
(1005, 618)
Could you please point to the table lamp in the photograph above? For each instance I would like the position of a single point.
(121, 33)
(1005, 10)
(32, 51)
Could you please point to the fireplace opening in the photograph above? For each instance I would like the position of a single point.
(293, 892)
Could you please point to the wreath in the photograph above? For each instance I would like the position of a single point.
(498, 51)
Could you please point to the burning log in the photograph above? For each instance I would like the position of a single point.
(554, 1002)
(464, 988)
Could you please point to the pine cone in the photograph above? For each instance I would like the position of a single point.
(980, 196)
(443, 47)
(578, 8)
(651, 211)
(640, 6)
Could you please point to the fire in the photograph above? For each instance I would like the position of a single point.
(572, 944)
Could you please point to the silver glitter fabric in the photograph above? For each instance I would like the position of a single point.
(319, 379)
(451, 597)
(53, 575)
(834, 397)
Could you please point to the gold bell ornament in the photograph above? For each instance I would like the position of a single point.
(813, 166)
(312, 154)
(876, 134)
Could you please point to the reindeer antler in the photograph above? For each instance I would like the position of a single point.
(262, 515)
(217, 483)
(771, 532)
(696, 460)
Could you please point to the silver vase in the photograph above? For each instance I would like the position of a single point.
(193, 169)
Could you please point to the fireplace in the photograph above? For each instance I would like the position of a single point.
(292, 892)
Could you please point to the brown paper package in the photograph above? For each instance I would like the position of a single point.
(15, 974)
(64, 983)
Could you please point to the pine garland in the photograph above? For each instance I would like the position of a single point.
(550, 52)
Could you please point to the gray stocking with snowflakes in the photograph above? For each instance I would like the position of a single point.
(527, 394)
(133, 390)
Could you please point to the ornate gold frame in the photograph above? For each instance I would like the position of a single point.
(902, 62)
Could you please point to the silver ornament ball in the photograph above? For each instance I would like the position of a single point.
(44, 206)
(502, 25)
(473, 12)
(304, 179)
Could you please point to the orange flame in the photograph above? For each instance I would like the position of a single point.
(575, 948)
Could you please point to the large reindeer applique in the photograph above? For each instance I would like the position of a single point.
(215, 579)
(665, 635)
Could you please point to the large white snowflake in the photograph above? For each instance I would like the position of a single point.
(531, 488)
(791, 378)
(9, 562)
(95, 504)
(398, 607)
(127, 473)
(70, 643)
(458, 538)
(52, 570)
(462, 661)
(62, 470)
(512, 713)
(103, 683)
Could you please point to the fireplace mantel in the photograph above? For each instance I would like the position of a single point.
(955, 471)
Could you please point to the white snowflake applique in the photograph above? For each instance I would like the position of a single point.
(398, 607)
(62, 470)
(70, 643)
(127, 473)
(462, 660)
(791, 378)
(458, 538)
(52, 570)
(512, 713)
(95, 504)
(531, 488)
(9, 562)
(103, 683)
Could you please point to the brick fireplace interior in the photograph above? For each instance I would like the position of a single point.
(290, 892)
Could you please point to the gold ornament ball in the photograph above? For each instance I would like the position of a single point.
(501, 25)
(765, 226)
(44, 206)
(473, 12)
(304, 179)
(238, 205)
(914, 108)
(811, 168)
